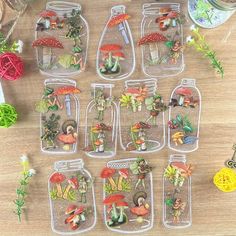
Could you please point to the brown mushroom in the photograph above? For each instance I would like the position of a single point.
(58, 178)
(72, 183)
(107, 173)
(69, 126)
(152, 39)
(124, 173)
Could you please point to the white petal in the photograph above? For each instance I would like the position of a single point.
(24, 158)
(32, 172)
(193, 27)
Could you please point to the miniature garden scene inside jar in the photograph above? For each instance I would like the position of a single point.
(141, 117)
(101, 123)
(177, 193)
(115, 55)
(184, 117)
(128, 195)
(61, 42)
(161, 40)
(59, 116)
(72, 198)
(211, 13)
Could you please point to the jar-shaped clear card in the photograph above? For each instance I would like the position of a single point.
(141, 117)
(115, 54)
(101, 123)
(177, 210)
(59, 116)
(128, 195)
(71, 198)
(61, 39)
(184, 117)
(161, 39)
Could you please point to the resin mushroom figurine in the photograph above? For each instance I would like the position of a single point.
(124, 174)
(109, 49)
(57, 178)
(152, 40)
(107, 173)
(72, 183)
(70, 209)
(118, 56)
(48, 42)
(119, 20)
(67, 90)
(112, 200)
(183, 92)
(122, 206)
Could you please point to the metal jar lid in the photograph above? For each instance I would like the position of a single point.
(223, 5)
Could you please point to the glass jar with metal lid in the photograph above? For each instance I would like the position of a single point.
(211, 13)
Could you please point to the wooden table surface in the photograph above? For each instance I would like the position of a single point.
(213, 211)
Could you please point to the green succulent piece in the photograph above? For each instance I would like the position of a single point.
(65, 60)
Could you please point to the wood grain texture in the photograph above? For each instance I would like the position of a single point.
(213, 211)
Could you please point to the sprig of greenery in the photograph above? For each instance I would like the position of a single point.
(21, 190)
(5, 47)
(197, 40)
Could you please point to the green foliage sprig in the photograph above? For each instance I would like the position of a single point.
(197, 40)
(21, 192)
(5, 47)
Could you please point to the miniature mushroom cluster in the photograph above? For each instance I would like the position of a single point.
(111, 58)
(75, 216)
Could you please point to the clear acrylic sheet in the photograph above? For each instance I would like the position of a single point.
(61, 206)
(156, 61)
(116, 45)
(134, 223)
(155, 135)
(68, 114)
(72, 58)
(101, 142)
(171, 218)
(191, 110)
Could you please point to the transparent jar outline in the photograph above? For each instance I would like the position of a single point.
(50, 6)
(146, 12)
(70, 166)
(115, 118)
(190, 83)
(119, 9)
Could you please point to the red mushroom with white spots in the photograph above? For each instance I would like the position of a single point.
(57, 179)
(48, 42)
(152, 40)
(107, 173)
(183, 92)
(72, 183)
(124, 174)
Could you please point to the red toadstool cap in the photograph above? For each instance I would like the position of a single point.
(48, 13)
(113, 199)
(124, 173)
(50, 42)
(118, 19)
(110, 47)
(66, 90)
(73, 182)
(121, 55)
(107, 172)
(79, 210)
(70, 209)
(152, 38)
(122, 204)
(183, 91)
(57, 178)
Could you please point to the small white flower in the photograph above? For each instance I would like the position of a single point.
(19, 46)
(189, 39)
(24, 158)
(193, 28)
(32, 172)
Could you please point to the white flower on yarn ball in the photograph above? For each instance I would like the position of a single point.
(24, 158)
(32, 172)
(19, 46)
